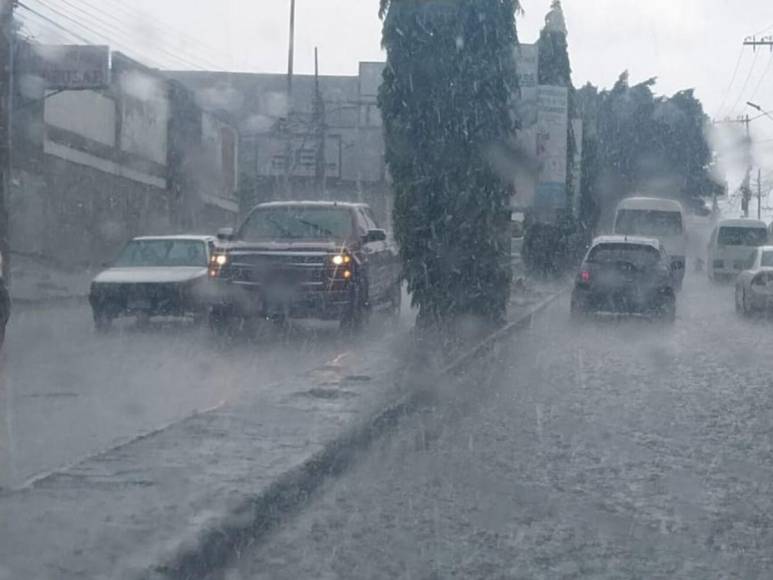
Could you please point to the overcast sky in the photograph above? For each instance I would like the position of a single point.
(685, 43)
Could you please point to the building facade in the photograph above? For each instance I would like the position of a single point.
(93, 168)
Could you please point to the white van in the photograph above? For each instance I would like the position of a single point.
(656, 218)
(732, 246)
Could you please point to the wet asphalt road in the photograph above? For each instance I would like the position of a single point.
(606, 450)
(68, 393)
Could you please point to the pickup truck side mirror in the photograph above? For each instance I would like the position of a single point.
(375, 236)
(225, 234)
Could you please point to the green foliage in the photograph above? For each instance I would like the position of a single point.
(549, 249)
(638, 142)
(446, 104)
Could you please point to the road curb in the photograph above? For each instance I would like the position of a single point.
(212, 548)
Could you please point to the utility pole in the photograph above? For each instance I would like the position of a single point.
(6, 69)
(290, 69)
(759, 42)
(320, 128)
(759, 194)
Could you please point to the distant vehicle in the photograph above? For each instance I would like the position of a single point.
(732, 246)
(754, 287)
(323, 260)
(625, 275)
(653, 217)
(5, 304)
(154, 276)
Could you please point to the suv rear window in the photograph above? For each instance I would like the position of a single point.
(610, 253)
(297, 223)
(735, 236)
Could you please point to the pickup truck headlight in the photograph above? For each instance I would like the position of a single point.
(341, 259)
(217, 262)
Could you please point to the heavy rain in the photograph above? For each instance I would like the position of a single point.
(382, 289)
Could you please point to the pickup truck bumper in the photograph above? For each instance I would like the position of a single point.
(258, 300)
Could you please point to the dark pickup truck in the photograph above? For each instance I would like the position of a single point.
(322, 260)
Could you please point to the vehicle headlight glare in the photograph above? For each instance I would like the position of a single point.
(221, 259)
(341, 259)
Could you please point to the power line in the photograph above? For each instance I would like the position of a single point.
(155, 23)
(746, 82)
(762, 78)
(732, 80)
(97, 34)
(115, 24)
(128, 37)
(53, 23)
(105, 37)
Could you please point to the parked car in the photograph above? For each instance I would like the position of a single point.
(154, 276)
(754, 287)
(656, 218)
(5, 304)
(322, 260)
(625, 275)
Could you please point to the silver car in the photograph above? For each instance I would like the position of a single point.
(754, 287)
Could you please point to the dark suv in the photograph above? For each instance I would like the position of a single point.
(626, 275)
(323, 260)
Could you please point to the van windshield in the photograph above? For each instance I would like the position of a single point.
(636, 222)
(740, 236)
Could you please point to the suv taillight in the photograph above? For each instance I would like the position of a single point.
(585, 277)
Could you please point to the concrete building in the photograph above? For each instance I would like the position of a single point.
(327, 144)
(92, 168)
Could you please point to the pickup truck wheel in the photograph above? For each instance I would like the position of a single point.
(356, 316)
(667, 308)
(396, 301)
(143, 320)
(102, 322)
(222, 321)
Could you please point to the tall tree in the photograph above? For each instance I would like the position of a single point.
(446, 103)
(548, 247)
(639, 142)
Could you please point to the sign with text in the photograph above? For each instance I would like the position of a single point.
(66, 67)
(552, 146)
(527, 69)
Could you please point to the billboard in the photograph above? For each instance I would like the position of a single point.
(552, 146)
(66, 67)
(577, 128)
(527, 69)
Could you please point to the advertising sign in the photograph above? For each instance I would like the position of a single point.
(525, 174)
(552, 150)
(577, 128)
(527, 63)
(66, 67)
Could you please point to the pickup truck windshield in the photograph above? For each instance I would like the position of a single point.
(297, 223)
(648, 223)
(162, 253)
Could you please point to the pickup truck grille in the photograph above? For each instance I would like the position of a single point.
(277, 269)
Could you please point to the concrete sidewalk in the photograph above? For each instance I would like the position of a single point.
(175, 502)
(36, 281)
